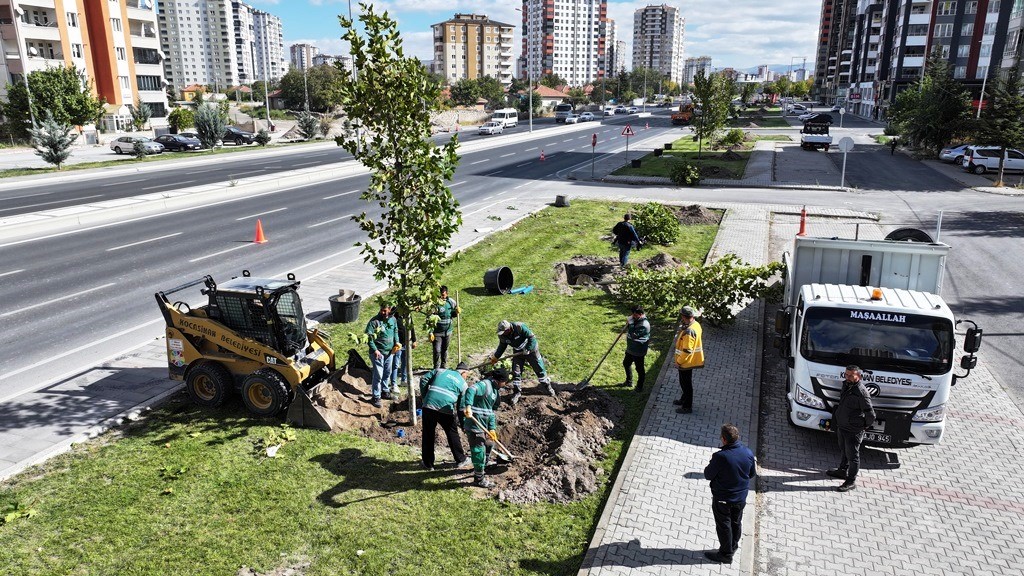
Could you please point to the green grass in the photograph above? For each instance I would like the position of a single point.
(769, 121)
(685, 149)
(166, 157)
(774, 137)
(183, 492)
(881, 138)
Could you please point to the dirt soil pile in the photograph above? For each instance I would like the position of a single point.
(591, 271)
(695, 214)
(556, 441)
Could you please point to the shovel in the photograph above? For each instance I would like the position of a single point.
(488, 363)
(586, 381)
(507, 456)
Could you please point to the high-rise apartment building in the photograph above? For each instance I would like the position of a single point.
(113, 41)
(658, 40)
(322, 59)
(614, 59)
(302, 55)
(473, 46)
(219, 43)
(691, 66)
(835, 47)
(566, 38)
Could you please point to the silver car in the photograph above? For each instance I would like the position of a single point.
(954, 154)
(492, 127)
(126, 144)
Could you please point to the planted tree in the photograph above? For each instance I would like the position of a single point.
(524, 103)
(933, 109)
(1001, 120)
(324, 125)
(138, 150)
(577, 97)
(551, 80)
(181, 118)
(210, 125)
(307, 124)
(262, 137)
(320, 82)
(52, 141)
(710, 95)
(747, 92)
(141, 113)
(490, 89)
(64, 92)
(465, 92)
(407, 244)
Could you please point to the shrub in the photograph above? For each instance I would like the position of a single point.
(181, 118)
(733, 137)
(655, 224)
(685, 174)
(52, 141)
(210, 126)
(890, 130)
(262, 137)
(307, 125)
(138, 150)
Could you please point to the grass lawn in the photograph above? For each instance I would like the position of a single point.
(165, 157)
(685, 149)
(769, 121)
(186, 492)
(774, 137)
(882, 138)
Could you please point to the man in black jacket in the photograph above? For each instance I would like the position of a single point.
(626, 239)
(854, 414)
(729, 471)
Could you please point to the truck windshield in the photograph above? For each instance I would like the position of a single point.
(877, 339)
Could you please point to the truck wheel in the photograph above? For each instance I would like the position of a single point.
(265, 392)
(909, 235)
(208, 384)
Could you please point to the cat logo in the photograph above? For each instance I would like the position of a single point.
(270, 360)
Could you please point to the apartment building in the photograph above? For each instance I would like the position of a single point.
(328, 59)
(268, 38)
(301, 55)
(835, 48)
(565, 37)
(614, 60)
(471, 46)
(658, 40)
(113, 41)
(691, 66)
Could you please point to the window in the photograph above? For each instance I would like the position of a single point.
(76, 50)
(115, 23)
(990, 29)
(960, 72)
(941, 30)
(72, 19)
(993, 7)
(981, 73)
(967, 29)
(148, 82)
(986, 49)
(947, 8)
(963, 51)
(922, 29)
(971, 8)
(121, 53)
(125, 84)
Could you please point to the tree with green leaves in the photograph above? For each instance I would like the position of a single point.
(465, 92)
(934, 109)
(52, 141)
(747, 92)
(307, 124)
(141, 113)
(210, 125)
(712, 97)
(551, 81)
(523, 105)
(577, 97)
(181, 118)
(407, 245)
(490, 89)
(138, 150)
(1001, 120)
(262, 137)
(322, 83)
(64, 92)
(784, 86)
(325, 124)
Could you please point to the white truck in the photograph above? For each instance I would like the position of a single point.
(815, 135)
(874, 304)
(562, 111)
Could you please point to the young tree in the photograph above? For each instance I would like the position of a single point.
(465, 92)
(1001, 118)
(747, 92)
(577, 96)
(181, 118)
(551, 81)
(710, 95)
(52, 141)
(307, 125)
(325, 125)
(138, 150)
(141, 113)
(523, 105)
(210, 125)
(934, 108)
(407, 245)
(64, 92)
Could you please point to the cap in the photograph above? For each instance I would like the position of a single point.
(638, 310)
(688, 312)
(462, 366)
(499, 375)
(504, 326)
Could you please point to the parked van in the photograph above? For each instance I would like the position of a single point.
(562, 111)
(507, 116)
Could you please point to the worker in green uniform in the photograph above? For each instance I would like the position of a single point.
(446, 310)
(479, 401)
(382, 334)
(524, 349)
(442, 391)
(638, 337)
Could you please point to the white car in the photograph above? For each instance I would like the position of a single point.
(586, 117)
(632, 110)
(981, 159)
(126, 144)
(807, 116)
(572, 119)
(836, 108)
(492, 127)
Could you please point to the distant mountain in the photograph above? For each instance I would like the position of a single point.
(778, 68)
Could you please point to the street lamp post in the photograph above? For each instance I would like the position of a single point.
(529, 68)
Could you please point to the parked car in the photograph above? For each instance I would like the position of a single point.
(189, 135)
(125, 145)
(797, 109)
(836, 108)
(620, 110)
(632, 110)
(562, 111)
(817, 118)
(954, 154)
(609, 110)
(587, 117)
(981, 159)
(239, 137)
(571, 119)
(178, 142)
(492, 127)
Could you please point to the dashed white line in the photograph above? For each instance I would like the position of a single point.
(239, 247)
(125, 182)
(551, 143)
(520, 186)
(480, 161)
(342, 194)
(493, 173)
(164, 185)
(53, 202)
(329, 221)
(143, 242)
(453, 185)
(26, 196)
(507, 155)
(8, 273)
(523, 164)
(55, 300)
(206, 170)
(529, 149)
(307, 163)
(488, 206)
(568, 139)
(260, 214)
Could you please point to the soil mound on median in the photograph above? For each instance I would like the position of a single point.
(695, 214)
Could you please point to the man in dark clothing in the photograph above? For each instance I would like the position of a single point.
(524, 350)
(446, 310)
(442, 392)
(893, 143)
(853, 416)
(625, 238)
(729, 471)
(638, 336)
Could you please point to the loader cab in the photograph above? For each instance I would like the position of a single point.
(266, 310)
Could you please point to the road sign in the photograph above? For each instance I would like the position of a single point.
(842, 111)
(627, 131)
(845, 144)
(593, 140)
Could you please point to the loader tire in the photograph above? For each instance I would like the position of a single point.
(209, 384)
(265, 392)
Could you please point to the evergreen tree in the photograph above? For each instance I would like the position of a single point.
(307, 125)
(210, 125)
(52, 141)
(141, 113)
(1001, 120)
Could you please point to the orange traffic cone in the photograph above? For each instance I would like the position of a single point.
(260, 238)
(542, 155)
(803, 222)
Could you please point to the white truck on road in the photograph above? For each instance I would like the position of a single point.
(815, 135)
(875, 304)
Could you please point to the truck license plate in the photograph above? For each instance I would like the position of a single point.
(876, 437)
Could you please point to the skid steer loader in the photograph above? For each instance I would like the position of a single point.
(250, 336)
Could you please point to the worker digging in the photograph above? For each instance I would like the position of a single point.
(481, 423)
(525, 349)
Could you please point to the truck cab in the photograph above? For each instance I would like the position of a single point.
(814, 135)
(562, 111)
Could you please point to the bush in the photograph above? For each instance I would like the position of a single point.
(181, 118)
(685, 174)
(733, 137)
(714, 288)
(139, 150)
(262, 137)
(890, 130)
(655, 224)
(210, 126)
(307, 125)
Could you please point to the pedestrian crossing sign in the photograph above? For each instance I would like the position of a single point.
(627, 131)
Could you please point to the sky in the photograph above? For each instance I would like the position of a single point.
(734, 33)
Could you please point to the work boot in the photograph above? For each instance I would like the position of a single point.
(846, 486)
(715, 556)
(386, 395)
(464, 463)
(482, 482)
(550, 388)
(517, 393)
(678, 401)
(639, 386)
(837, 473)
(376, 403)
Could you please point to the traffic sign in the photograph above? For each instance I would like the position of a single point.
(845, 144)
(627, 131)
(593, 140)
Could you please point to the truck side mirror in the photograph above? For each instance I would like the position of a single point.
(969, 362)
(972, 341)
(782, 318)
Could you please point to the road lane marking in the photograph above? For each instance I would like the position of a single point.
(456, 184)
(143, 242)
(488, 206)
(568, 139)
(342, 194)
(26, 196)
(165, 185)
(329, 221)
(507, 155)
(493, 173)
(55, 300)
(246, 245)
(480, 161)
(53, 202)
(520, 186)
(125, 182)
(260, 214)
(523, 164)
(307, 163)
(319, 260)
(2, 274)
(529, 149)
(551, 143)
(207, 170)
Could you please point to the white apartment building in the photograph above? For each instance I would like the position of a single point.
(302, 55)
(691, 66)
(472, 46)
(322, 59)
(658, 40)
(566, 38)
(614, 59)
(269, 38)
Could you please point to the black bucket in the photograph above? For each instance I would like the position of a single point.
(345, 309)
(498, 280)
(635, 163)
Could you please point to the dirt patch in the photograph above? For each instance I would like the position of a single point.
(593, 271)
(732, 156)
(294, 570)
(695, 214)
(556, 441)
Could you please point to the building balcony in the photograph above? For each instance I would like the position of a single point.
(913, 61)
(920, 19)
(917, 41)
(49, 33)
(28, 4)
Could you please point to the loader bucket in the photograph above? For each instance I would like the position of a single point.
(304, 413)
